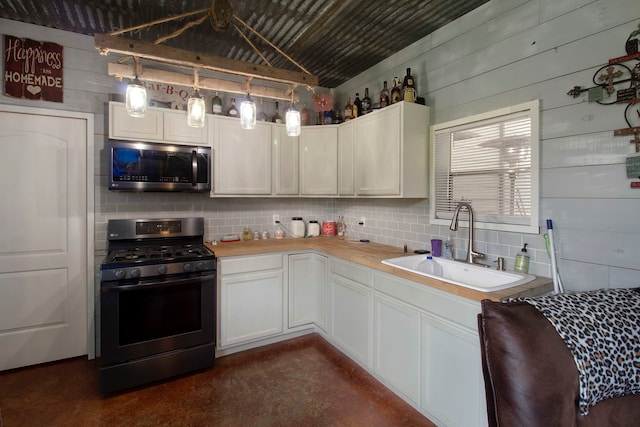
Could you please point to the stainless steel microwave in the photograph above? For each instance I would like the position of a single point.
(148, 166)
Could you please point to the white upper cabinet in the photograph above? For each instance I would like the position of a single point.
(242, 157)
(345, 159)
(176, 129)
(391, 152)
(285, 162)
(157, 125)
(147, 128)
(319, 161)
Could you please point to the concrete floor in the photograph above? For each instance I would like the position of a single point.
(300, 382)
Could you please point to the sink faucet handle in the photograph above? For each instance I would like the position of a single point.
(500, 262)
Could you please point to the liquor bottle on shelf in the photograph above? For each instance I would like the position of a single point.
(276, 117)
(216, 105)
(366, 101)
(337, 116)
(408, 88)
(384, 95)
(262, 116)
(357, 106)
(304, 115)
(233, 110)
(395, 92)
(348, 110)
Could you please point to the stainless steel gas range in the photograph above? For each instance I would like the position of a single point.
(157, 302)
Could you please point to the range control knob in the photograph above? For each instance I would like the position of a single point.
(199, 265)
(186, 267)
(134, 272)
(162, 269)
(119, 274)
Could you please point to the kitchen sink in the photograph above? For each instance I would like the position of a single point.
(478, 277)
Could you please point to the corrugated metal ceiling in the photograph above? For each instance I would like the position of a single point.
(334, 40)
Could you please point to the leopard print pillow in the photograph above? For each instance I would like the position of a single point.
(602, 330)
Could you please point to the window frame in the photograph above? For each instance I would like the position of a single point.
(533, 226)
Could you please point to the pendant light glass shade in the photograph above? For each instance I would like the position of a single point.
(196, 110)
(248, 113)
(136, 98)
(292, 120)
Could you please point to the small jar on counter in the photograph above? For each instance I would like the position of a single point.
(314, 228)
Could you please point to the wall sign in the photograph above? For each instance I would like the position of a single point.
(33, 69)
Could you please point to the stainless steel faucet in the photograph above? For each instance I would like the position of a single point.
(471, 254)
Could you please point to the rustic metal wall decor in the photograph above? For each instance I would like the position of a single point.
(618, 82)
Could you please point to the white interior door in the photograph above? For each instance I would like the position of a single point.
(43, 243)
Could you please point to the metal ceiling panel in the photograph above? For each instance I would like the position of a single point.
(334, 40)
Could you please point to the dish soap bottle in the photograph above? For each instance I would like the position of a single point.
(448, 249)
(522, 260)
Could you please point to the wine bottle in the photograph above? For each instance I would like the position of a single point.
(276, 117)
(366, 101)
(262, 116)
(395, 92)
(408, 88)
(233, 110)
(216, 105)
(384, 96)
(348, 110)
(357, 106)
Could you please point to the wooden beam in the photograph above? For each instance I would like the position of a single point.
(128, 71)
(107, 43)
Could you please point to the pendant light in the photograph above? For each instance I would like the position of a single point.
(136, 95)
(292, 119)
(248, 113)
(195, 105)
(196, 110)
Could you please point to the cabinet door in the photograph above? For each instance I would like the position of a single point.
(397, 345)
(242, 157)
(452, 383)
(320, 273)
(250, 306)
(345, 159)
(123, 126)
(377, 153)
(307, 290)
(285, 162)
(319, 161)
(301, 290)
(350, 308)
(177, 130)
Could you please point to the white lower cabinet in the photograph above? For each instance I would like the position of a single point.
(396, 337)
(251, 292)
(351, 309)
(452, 382)
(307, 290)
(419, 341)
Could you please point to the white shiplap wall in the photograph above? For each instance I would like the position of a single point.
(511, 51)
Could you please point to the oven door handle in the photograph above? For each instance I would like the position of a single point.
(194, 168)
(155, 283)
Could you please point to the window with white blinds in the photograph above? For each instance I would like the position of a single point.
(490, 161)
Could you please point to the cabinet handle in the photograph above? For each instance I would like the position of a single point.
(194, 168)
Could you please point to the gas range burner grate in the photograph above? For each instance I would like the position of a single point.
(139, 255)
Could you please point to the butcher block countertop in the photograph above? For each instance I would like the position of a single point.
(370, 255)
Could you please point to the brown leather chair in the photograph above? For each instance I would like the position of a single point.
(531, 379)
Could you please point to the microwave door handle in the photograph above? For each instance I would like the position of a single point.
(194, 168)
